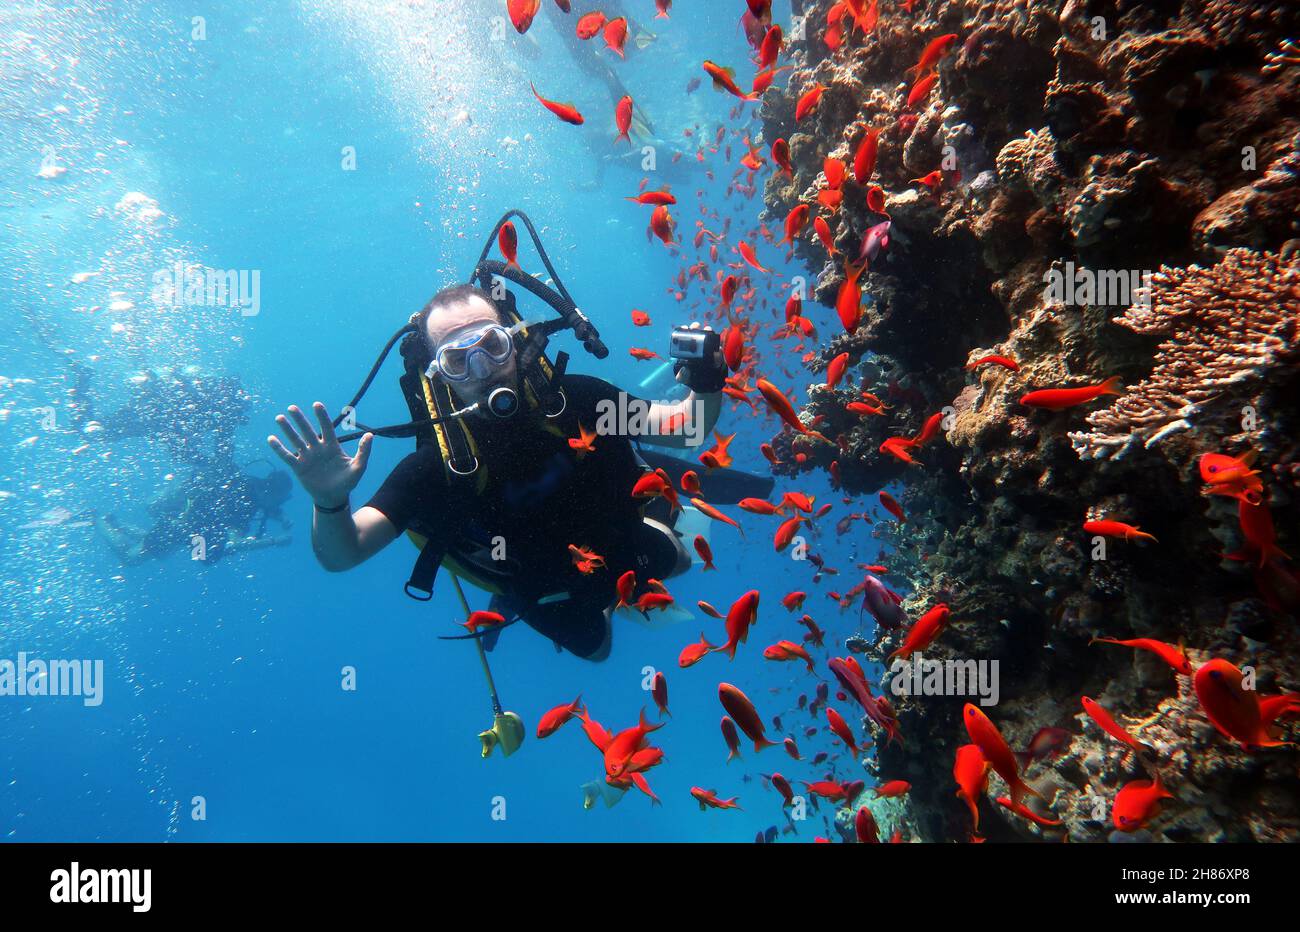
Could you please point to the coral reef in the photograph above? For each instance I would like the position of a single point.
(1125, 202)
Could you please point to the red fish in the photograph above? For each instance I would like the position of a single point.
(781, 156)
(709, 610)
(662, 196)
(875, 198)
(934, 51)
(616, 35)
(759, 506)
(566, 112)
(618, 755)
(1115, 529)
(508, 243)
(808, 102)
(841, 730)
(623, 118)
(690, 482)
(741, 616)
(550, 723)
(1232, 476)
(1137, 803)
(1025, 812)
(724, 80)
(1058, 399)
(625, 587)
(995, 750)
(708, 799)
(1113, 728)
(731, 737)
(705, 551)
(835, 369)
(1256, 523)
(794, 223)
(971, 771)
(745, 715)
(824, 234)
(864, 827)
(521, 13)
(782, 408)
(590, 24)
(747, 253)
(482, 619)
(848, 303)
(1006, 362)
(921, 90)
(659, 691)
(893, 788)
(584, 443)
(662, 224)
(1230, 707)
(788, 650)
(891, 505)
(770, 48)
(793, 601)
(864, 160)
(1174, 656)
(707, 509)
(693, 653)
(924, 631)
(785, 533)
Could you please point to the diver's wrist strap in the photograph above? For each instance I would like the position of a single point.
(335, 510)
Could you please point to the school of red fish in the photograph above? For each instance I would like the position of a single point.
(724, 278)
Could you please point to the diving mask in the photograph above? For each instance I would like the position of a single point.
(474, 355)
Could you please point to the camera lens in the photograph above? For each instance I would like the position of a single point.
(503, 402)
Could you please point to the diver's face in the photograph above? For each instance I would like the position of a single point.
(457, 321)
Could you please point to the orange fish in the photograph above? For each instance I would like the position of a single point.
(616, 35)
(705, 551)
(1256, 523)
(1230, 707)
(619, 753)
(1174, 656)
(995, 750)
(584, 442)
(640, 318)
(1005, 362)
(747, 253)
(624, 588)
(788, 650)
(785, 533)
(690, 482)
(971, 771)
(717, 455)
(808, 102)
(521, 13)
(623, 118)
(637, 352)
(924, 631)
(693, 653)
(848, 303)
(709, 610)
(892, 506)
(934, 51)
(1137, 803)
(770, 47)
(824, 234)
(1113, 728)
(481, 619)
(590, 24)
(1025, 812)
(875, 198)
(898, 447)
(793, 601)
(841, 730)
(733, 347)
(759, 506)
(724, 80)
(705, 508)
(864, 160)
(708, 799)
(740, 618)
(834, 171)
(835, 369)
(566, 112)
(893, 788)
(794, 223)
(586, 561)
(781, 156)
(763, 80)
(508, 243)
(656, 198)
(662, 223)
(921, 90)
(932, 181)
(1115, 529)
(550, 723)
(1058, 399)
(744, 714)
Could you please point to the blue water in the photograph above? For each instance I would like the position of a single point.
(224, 681)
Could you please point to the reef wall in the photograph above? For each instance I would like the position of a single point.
(1147, 155)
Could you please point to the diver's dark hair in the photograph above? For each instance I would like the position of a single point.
(455, 294)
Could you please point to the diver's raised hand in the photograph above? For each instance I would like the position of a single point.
(325, 471)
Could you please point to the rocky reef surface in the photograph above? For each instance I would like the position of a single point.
(1147, 157)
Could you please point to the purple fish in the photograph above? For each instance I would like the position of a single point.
(883, 604)
(877, 238)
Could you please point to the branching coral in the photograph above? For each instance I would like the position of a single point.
(1226, 328)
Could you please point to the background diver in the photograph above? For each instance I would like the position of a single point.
(228, 508)
(527, 487)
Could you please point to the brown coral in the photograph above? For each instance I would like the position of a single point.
(1226, 328)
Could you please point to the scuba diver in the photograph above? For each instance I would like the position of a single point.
(228, 510)
(512, 469)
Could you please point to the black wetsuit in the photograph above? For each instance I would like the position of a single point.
(540, 496)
